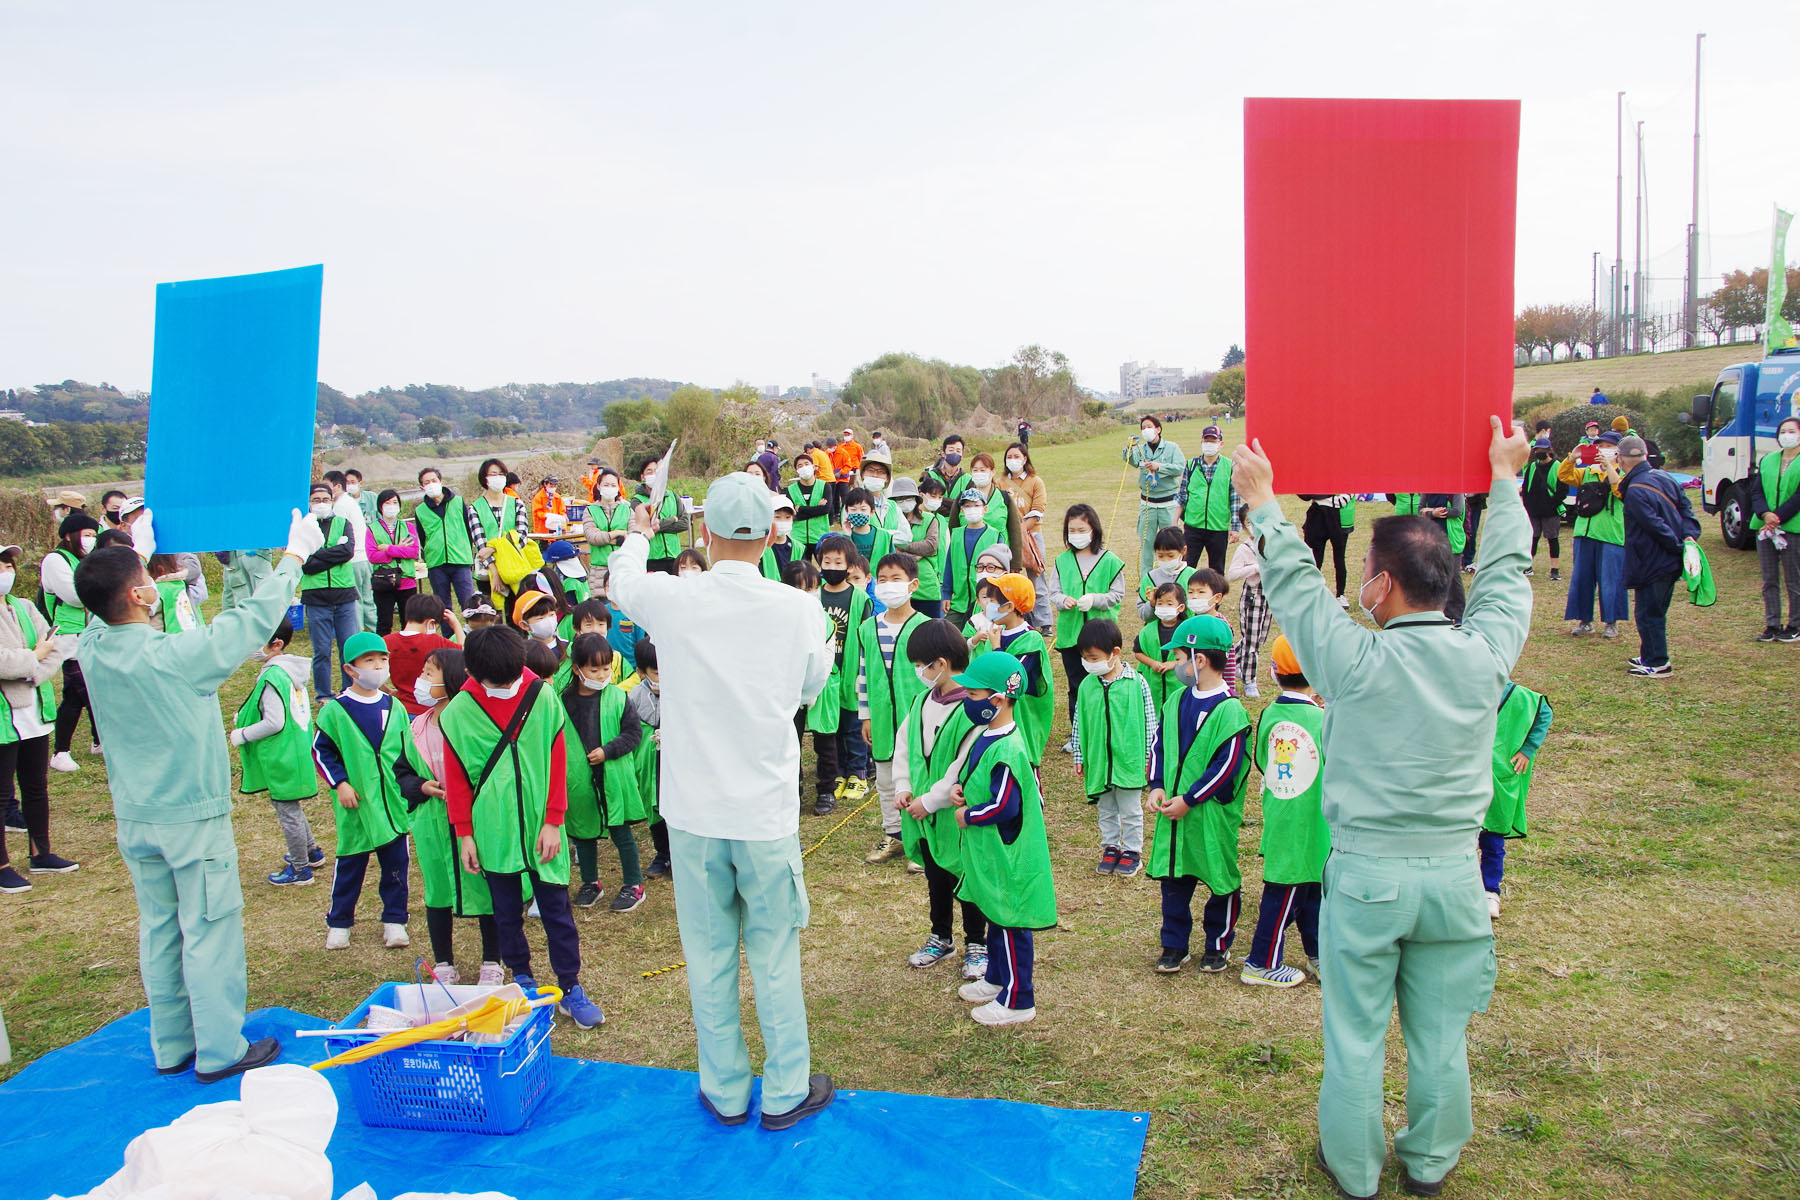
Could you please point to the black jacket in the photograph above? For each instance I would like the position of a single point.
(1540, 492)
(1658, 519)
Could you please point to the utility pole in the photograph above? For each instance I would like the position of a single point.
(1637, 251)
(1691, 309)
(1618, 308)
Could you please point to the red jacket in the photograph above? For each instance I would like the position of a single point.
(458, 797)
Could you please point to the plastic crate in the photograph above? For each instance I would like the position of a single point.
(450, 1087)
(296, 617)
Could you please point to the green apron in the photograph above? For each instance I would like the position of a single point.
(939, 830)
(282, 763)
(1009, 881)
(891, 689)
(1202, 845)
(435, 849)
(511, 806)
(603, 798)
(1518, 712)
(444, 541)
(1287, 749)
(380, 814)
(1098, 581)
(46, 695)
(1406, 504)
(1113, 750)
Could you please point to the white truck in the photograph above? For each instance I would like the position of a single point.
(1738, 419)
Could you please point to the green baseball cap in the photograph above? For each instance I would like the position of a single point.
(997, 671)
(739, 508)
(1202, 633)
(364, 642)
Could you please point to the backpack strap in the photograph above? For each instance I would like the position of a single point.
(508, 735)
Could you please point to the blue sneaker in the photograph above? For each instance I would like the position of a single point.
(578, 1008)
(526, 983)
(292, 876)
(314, 857)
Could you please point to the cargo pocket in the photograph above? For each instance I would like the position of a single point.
(1368, 891)
(1484, 981)
(802, 905)
(224, 892)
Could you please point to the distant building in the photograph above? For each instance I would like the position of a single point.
(1138, 381)
(771, 391)
(823, 386)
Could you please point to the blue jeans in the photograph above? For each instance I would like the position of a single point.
(443, 579)
(853, 752)
(325, 624)
(1653, 621)
(1598, 565)
(1493, 859)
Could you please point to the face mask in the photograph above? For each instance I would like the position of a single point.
(1102, 667)
(321, 510)
(390, 511)
(926, 676)
(1188, 672)
(1210, 449)
(1609, 454)
(907, 505)
(87, 543)
(974, 518)
(422, 692)
(1367, 611)
(992, 611)
(893, 595)
(875, 485)
(1167, 612)
(784, 527)
(685, 572)
(1080, 541)
(496, 483)
(932, 503)
(505, 693)
(609, 491)
(655, 687)
(1163, 564)
(834, 576)
(6, 581)
(1200, 607)
(1150, 436)
(542, 628)
(112, 516)
(434, 489)
(354, 489)
(550, 490)
(1788, 440)
(594, 683)
(981, 478)
(953, 458)
(760, 447)
(370, 679)
(981, 711)
(859, 520)
(1016, 465)
(154, 600)
(804, 471)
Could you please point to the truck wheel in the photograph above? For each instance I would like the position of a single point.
(1734, 520)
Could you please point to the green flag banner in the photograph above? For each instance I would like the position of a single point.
(1780, 332)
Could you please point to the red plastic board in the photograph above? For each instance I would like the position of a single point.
(1378, 288)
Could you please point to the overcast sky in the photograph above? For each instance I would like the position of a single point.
(723, 191)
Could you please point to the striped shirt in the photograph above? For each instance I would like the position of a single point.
(887, 637)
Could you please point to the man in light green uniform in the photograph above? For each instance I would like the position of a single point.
(1159, 465)
(1405, 918)
(156, 695)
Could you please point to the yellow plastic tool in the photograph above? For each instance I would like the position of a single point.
(491, 1018)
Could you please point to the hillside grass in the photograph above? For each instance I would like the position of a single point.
(1646, 373)
(1643, 1041)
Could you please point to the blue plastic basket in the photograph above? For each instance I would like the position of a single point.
(296, 617)
(450, 1087)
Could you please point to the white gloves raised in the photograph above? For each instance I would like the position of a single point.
(143, 535)
(305, 538)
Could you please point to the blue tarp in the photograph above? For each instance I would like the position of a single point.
(605, 1130)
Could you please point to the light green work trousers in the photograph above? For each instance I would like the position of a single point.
(364, 574)
(1152, 518)
(1415, 931)
(190, 938)
(240, 577)
(754, 891)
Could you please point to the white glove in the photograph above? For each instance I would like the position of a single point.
(305, 538)
(143, 535)
(1690, 559)
(1085, 603)
(237, 737)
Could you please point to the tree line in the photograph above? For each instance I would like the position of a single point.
(27, 449)
(921, 397)
(1739, 303)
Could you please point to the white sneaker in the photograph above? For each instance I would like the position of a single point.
(394, 937)
(95, 748)
(337, 939)
(492, 975)
(1279, 977)
(446, 973)
(1611, 630)
(995, 1013)
(1344, 603)
(1493, 905)
(1068, 747)
(533, 910)
(1314, 964)
(1251, 690)
(62, 760)
(978, 992)
(1582, 629)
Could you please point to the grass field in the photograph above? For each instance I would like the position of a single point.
(1644, 1038)
(1648, 373)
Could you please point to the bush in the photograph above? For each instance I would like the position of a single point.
(1681, 444)
(1524, 406)
(1566, 426)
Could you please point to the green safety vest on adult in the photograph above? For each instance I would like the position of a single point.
(494, 523)
(1101, 576)
(892, 689)
(1202, 845)
(340, 576)
(1288, 750)
(384, 539)
(509, 808)
(607, 796)
(938, 830)
(1208, 500)
(1347, 514)
(380, 814)
(808, 530)
(1116, 758)
(616, 521)
(46, 695)
(1010, 882)
(1607, 525)
(64, 616)
(665, 545)
(282, 763)
(1779, 485)
(444, 540)
(959, 565)
(1518, 713)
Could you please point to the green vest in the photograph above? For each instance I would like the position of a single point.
(1034, 711)
(842, 682)
(880, 543)
(1147, 587)
(1406, 504)
(665, 545)
(177, 612)
(492, 523)
(282, 763)
(1110, 717)
(1204, 843)
(889, 517)
(511, 806)
(444, 541)
(1457, 531)
(771, 566)
(1779, 486)
(46, 695)
(603, 797)
(340, 576)
(1347, 515)
(959, 566)
(447, 885)
(1099, 580)
(931, 570)
(649, 770)
(1288, 750)
(1208, 501)
(891, 689)
(617, 521)
(807, 531)
(1163, 684)
(1518, 713)
(380, 814)
(401, 537)
(939, 830)
(65, 617)
(1009, 881)
(1608, 525)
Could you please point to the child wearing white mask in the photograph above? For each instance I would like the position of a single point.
(1154, 650)
(1116, 718)
(886, 685)
(273, 732)
(603, 792)
(1206, 592)
(1087, 582)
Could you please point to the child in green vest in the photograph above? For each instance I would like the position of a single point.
(1289, 751)
(1155, 650)
(365, 751)
(603, 792)
(933, 742)
(1519, 732)
(1169, 566)
(1087, 582)
(820, 718)
(1198, 774)
(1005, 854)
(1206, 592)
(506, 791)
(782, 549)
(176, 612)
(928, 524)
(273, 731)
(846, 607)
(886, 685)
(1006, 600)
(1115, 723)
(968, 542)
(646, 705)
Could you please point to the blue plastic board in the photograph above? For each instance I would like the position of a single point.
(604, 1132)
(233, 396)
